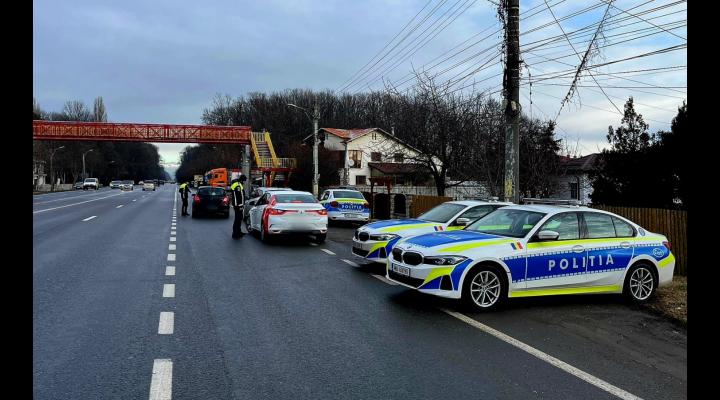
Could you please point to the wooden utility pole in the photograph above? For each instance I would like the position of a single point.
(512, 103)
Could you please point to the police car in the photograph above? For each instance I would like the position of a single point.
(375, 240)
(535, 250)
(345, 205)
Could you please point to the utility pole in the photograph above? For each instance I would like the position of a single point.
(512, 103)
(83, 175)
(316, 175)
(246, 171)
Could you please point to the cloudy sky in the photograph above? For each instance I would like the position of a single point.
(163, 61)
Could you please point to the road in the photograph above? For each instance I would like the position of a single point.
(297, 320)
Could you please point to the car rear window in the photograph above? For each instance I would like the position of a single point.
(211, 191)
(347, 194)
(295, 198)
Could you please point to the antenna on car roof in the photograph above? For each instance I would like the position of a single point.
(557, 202)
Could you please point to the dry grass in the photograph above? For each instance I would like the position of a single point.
(671, 301)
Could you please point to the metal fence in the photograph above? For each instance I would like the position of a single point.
(671, 223)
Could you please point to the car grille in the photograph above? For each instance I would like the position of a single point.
(363, 236)
(414, 282)
(412, 258)
(360, 252)
(397, 254)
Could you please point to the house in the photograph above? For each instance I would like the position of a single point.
(373, 152)
(575, 183)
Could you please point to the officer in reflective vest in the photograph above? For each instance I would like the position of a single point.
(238, 201)
(184, 191)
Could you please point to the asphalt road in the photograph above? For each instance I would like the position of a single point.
(294, 320)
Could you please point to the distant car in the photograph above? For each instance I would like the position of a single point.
(148, 185)
(115, 184)
(91, 183)
(288, 211)
(127, 185)
(254, 196)
(210, 200)
(78, 185)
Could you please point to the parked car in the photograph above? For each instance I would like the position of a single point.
(115, 184)
(78, 185)
(210, 200)
(535, 250)
(127, 185)
(288, 211)
(375, 241)
(91, 183)
(346, 205)
(254, 196)
(148, 185)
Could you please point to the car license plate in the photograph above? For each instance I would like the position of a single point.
(400, 269)
(351, 215)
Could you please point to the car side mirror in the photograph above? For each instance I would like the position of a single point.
(548, 235)
(462, 221)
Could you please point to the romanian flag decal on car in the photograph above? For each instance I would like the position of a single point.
(438, 228)
(516, 246)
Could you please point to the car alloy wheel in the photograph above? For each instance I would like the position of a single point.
(641, 283)
(485, 289)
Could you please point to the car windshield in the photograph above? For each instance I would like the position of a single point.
(507, 222)
(347, 194)
(442, 213)
(128, 182)
(211, 191)
(295, 198)
(90, 180)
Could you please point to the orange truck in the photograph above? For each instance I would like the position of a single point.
(220, 177)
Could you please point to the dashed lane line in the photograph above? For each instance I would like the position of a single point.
(89, 218)
(173, 238)
(74, 204)
(167, 323)
(354, 264)
(171, 257)
(171, 247)
(383, 279)
(120, 206)
(593, 380)
(170, 271)
(161, 382)
(328, 251)
(169, 290)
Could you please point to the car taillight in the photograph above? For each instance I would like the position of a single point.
(196, 198)
(275, 211)
(334, 204)
(273, 201)
(320, 212)
(366, 205)
(226, 200)
(668, 245)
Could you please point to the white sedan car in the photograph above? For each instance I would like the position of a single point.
(374, 241)
(535, 250)
(288, 211)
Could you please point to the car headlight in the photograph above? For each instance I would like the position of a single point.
(443, 260)
(383, 236)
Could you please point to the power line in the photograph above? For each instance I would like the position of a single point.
(642, 19)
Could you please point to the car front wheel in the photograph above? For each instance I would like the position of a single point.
(484, 289)
(640, 283)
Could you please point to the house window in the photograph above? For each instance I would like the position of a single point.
(574, 191)
(355, 158)
(375, 156)
(360, 180)
(398, 157)
(374, 135)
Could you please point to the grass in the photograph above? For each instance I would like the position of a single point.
(671, 301)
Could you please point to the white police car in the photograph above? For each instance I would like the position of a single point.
(535, 250)
(345, 205)
(375, 240)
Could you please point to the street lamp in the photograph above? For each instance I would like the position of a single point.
(83, 175)
(315, 120)
(52, 172)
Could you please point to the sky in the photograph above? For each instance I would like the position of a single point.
(163, 61)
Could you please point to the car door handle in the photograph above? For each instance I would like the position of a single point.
(625, 245)
(578, 248)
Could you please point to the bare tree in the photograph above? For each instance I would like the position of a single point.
(99, 112)
(75, 110)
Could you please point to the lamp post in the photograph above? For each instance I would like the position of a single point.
(52, 172)
(315, 120)
(83, 175)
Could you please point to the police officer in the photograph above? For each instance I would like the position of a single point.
(238, 200)
(184, 191)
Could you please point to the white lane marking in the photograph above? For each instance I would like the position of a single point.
(313, 244)
(614, 390)
(171, 247)
(172, 239)
(171, 257)
(120, 206)
(68, 198)
(89, 218)
(383, 279)
(328, 251)
(172, 233)
(134, 199)
(167, 322)
(170, 271)
(74, 204)
(173, 224)
(354, 264)
(169, 290)
(161, 383)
